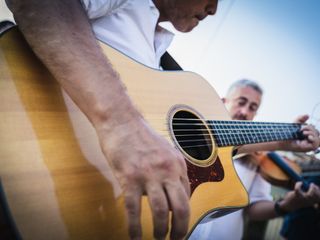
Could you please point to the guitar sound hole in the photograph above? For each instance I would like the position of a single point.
(192, 135)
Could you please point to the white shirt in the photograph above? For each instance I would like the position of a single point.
(230, 227)
(131, 27)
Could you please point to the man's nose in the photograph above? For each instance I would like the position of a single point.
(244, 111)
(211, 8)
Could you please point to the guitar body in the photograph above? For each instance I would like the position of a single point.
(55, 180)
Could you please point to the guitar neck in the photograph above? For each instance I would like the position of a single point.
(236, 133)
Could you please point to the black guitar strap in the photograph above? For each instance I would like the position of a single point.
(168, 63)
(5, 25)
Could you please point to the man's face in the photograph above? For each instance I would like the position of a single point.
(242, 103)
(186, 14)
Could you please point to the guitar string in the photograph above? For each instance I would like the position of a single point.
(236, 130)
(227, 121)
(254, 124)
(234, 140)
(228, 131)
(285, 130)
(219, 132)
(227, 125)
(260, 128)
(231, 142)
(208, 145)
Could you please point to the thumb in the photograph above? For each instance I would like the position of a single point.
(301, 118)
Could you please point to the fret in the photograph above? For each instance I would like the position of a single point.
(246, 136)
(241, 133)
(241, 136)
(262, 135)
(285, 132)
(273, 132)
(265, 134)
(234, 133)
(270, 133)
(252, 133)
(288, 133)
(246, 127)
(218, 139)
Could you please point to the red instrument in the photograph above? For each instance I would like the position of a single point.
(279, 170)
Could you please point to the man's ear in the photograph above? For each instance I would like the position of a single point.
(223, 100)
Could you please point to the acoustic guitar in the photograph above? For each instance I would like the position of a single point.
(55, 181)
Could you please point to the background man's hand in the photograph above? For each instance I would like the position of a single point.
(297, 199)
(311, 141)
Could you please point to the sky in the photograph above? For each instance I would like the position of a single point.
(274, 42)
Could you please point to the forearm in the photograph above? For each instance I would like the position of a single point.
(60, 34)
(143, 161)
(262, 210)
(250, 148)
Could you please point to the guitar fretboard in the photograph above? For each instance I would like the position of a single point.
(235, 133)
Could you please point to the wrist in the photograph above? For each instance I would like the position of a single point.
(278, 208)
(281, 145)
(120, 113)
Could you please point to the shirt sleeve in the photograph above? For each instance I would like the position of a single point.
(99, 8)
(260, 190)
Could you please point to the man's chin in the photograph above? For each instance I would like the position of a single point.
(186, 27)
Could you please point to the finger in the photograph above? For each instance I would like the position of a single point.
(314, 192)
(184, 173)
(311, 190)
(302, 119)
(133, 206)
(160, 210)
(184, 176)
(309, 128)
(298, 190)
(310, 197)
(317, 194)
(313, 141)
(186, 184)
(311, 137)
(179, 202)
(307, 131)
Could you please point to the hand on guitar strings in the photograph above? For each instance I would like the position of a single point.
(146, 164)
(311, 139)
